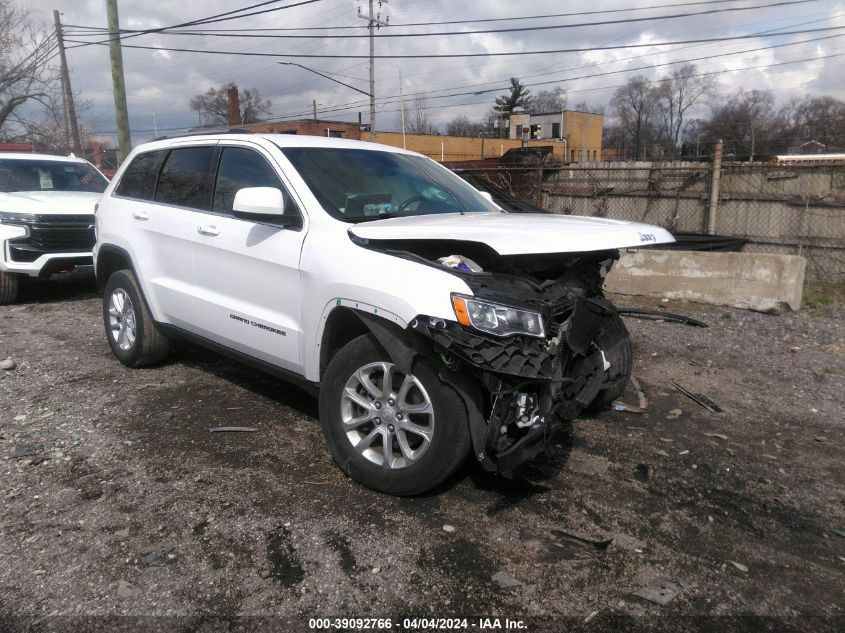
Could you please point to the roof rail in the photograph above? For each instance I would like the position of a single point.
(231, 130)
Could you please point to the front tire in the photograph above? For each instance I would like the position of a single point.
(130, 330)
(403, 440)
(614, 339)
(9, 283)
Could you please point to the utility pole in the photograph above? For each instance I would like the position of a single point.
(314, 103)
(70, 108)
(118, 84)
(374, 21)
(402, 99)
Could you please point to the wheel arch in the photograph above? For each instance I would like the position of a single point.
(110, 259)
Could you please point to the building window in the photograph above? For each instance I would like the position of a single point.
(555, 130)
(334, 133)
(518, 131)
(572, 155)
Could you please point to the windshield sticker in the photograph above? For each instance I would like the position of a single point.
(45, 178)
(374, 209)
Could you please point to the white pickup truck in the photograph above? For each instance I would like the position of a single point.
(431, 323)
(46, 217)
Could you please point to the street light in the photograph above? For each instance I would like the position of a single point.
(316, 72)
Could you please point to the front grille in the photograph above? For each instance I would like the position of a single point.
(55, 234)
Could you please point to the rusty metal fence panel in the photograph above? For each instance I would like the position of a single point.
(784, 209)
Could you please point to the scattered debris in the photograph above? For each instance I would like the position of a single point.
(661, 590)
(126, 589)
(739, 566)
(8, 364)
(641, 472)
(233, 429)
(684, 453)
(701, 399)
(449, 528)
(839, 532)
(662, 453)
(560, 545)
(820, 438)
(505, 580)
(674, 414)
(642, 401)
(124, 533)
(24, 451)
(661, 315)
(376, 570)
(591, 616)
(666, 439)
(721, 436)
(20, 418)
(696, 363)
(157, 553)
(160, 416)
(618, 405)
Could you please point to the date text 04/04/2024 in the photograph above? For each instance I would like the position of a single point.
(416, 624)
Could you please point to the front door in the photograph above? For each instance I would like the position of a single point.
(246, 272)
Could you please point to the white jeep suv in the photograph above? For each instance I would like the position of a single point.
(430, 322)
(46, 217)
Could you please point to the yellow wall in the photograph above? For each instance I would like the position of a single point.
(448, 148)
(583, 131)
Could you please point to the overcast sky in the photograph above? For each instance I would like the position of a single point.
(160, 84)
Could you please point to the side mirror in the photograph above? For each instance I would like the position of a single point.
(262, 204)
(487, 196)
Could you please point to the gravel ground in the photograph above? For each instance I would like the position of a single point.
(122, 510)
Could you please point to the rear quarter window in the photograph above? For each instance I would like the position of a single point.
(184, 179)
(139, 179)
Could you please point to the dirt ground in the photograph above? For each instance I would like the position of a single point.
(122, 511)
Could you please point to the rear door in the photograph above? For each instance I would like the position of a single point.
(164, 191)
(246, 272)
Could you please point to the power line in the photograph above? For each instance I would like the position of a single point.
(204, 33)
(220, 17)
(478, 20)
(464, 55)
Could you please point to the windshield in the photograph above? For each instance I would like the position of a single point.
(20, 174)
(357, 185)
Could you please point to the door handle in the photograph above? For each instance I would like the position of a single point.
(208, 229)
(141, 215)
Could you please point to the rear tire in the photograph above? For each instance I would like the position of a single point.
(9, 283)
(363, 422)
(614, 339)
(132, 334)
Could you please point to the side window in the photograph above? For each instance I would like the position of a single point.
(139, 179)
(184, 177)
(240, 168)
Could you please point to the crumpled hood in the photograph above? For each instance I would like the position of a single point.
(44, 202)
(518, 233)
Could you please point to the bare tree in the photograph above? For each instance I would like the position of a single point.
(635, 105)
(676, 95)
(549, 100)
(418, 120)
(820, 119)
(583, 106)
(462, 126)
(749, 124)
(25, 52)
(212, 107)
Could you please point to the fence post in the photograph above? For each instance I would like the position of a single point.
(714, 188)
(539, 200)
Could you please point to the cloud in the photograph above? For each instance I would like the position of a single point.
(161, 83)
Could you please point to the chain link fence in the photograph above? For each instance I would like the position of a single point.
(781, 209)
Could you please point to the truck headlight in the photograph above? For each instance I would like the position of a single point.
(18, 219)
(496, 319)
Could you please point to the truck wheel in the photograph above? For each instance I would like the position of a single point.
(614, 339)
(8, 287)
(132, 334)
(401, 434)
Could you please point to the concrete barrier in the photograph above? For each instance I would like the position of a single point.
(744, 280)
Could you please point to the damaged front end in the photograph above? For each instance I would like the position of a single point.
(520, 389)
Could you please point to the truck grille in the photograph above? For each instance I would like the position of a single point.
(56, 234)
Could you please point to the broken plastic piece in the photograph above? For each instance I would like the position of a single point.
(662, 590)
(461, 263)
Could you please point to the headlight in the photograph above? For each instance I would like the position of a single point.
(496, 319)
(9, 217)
